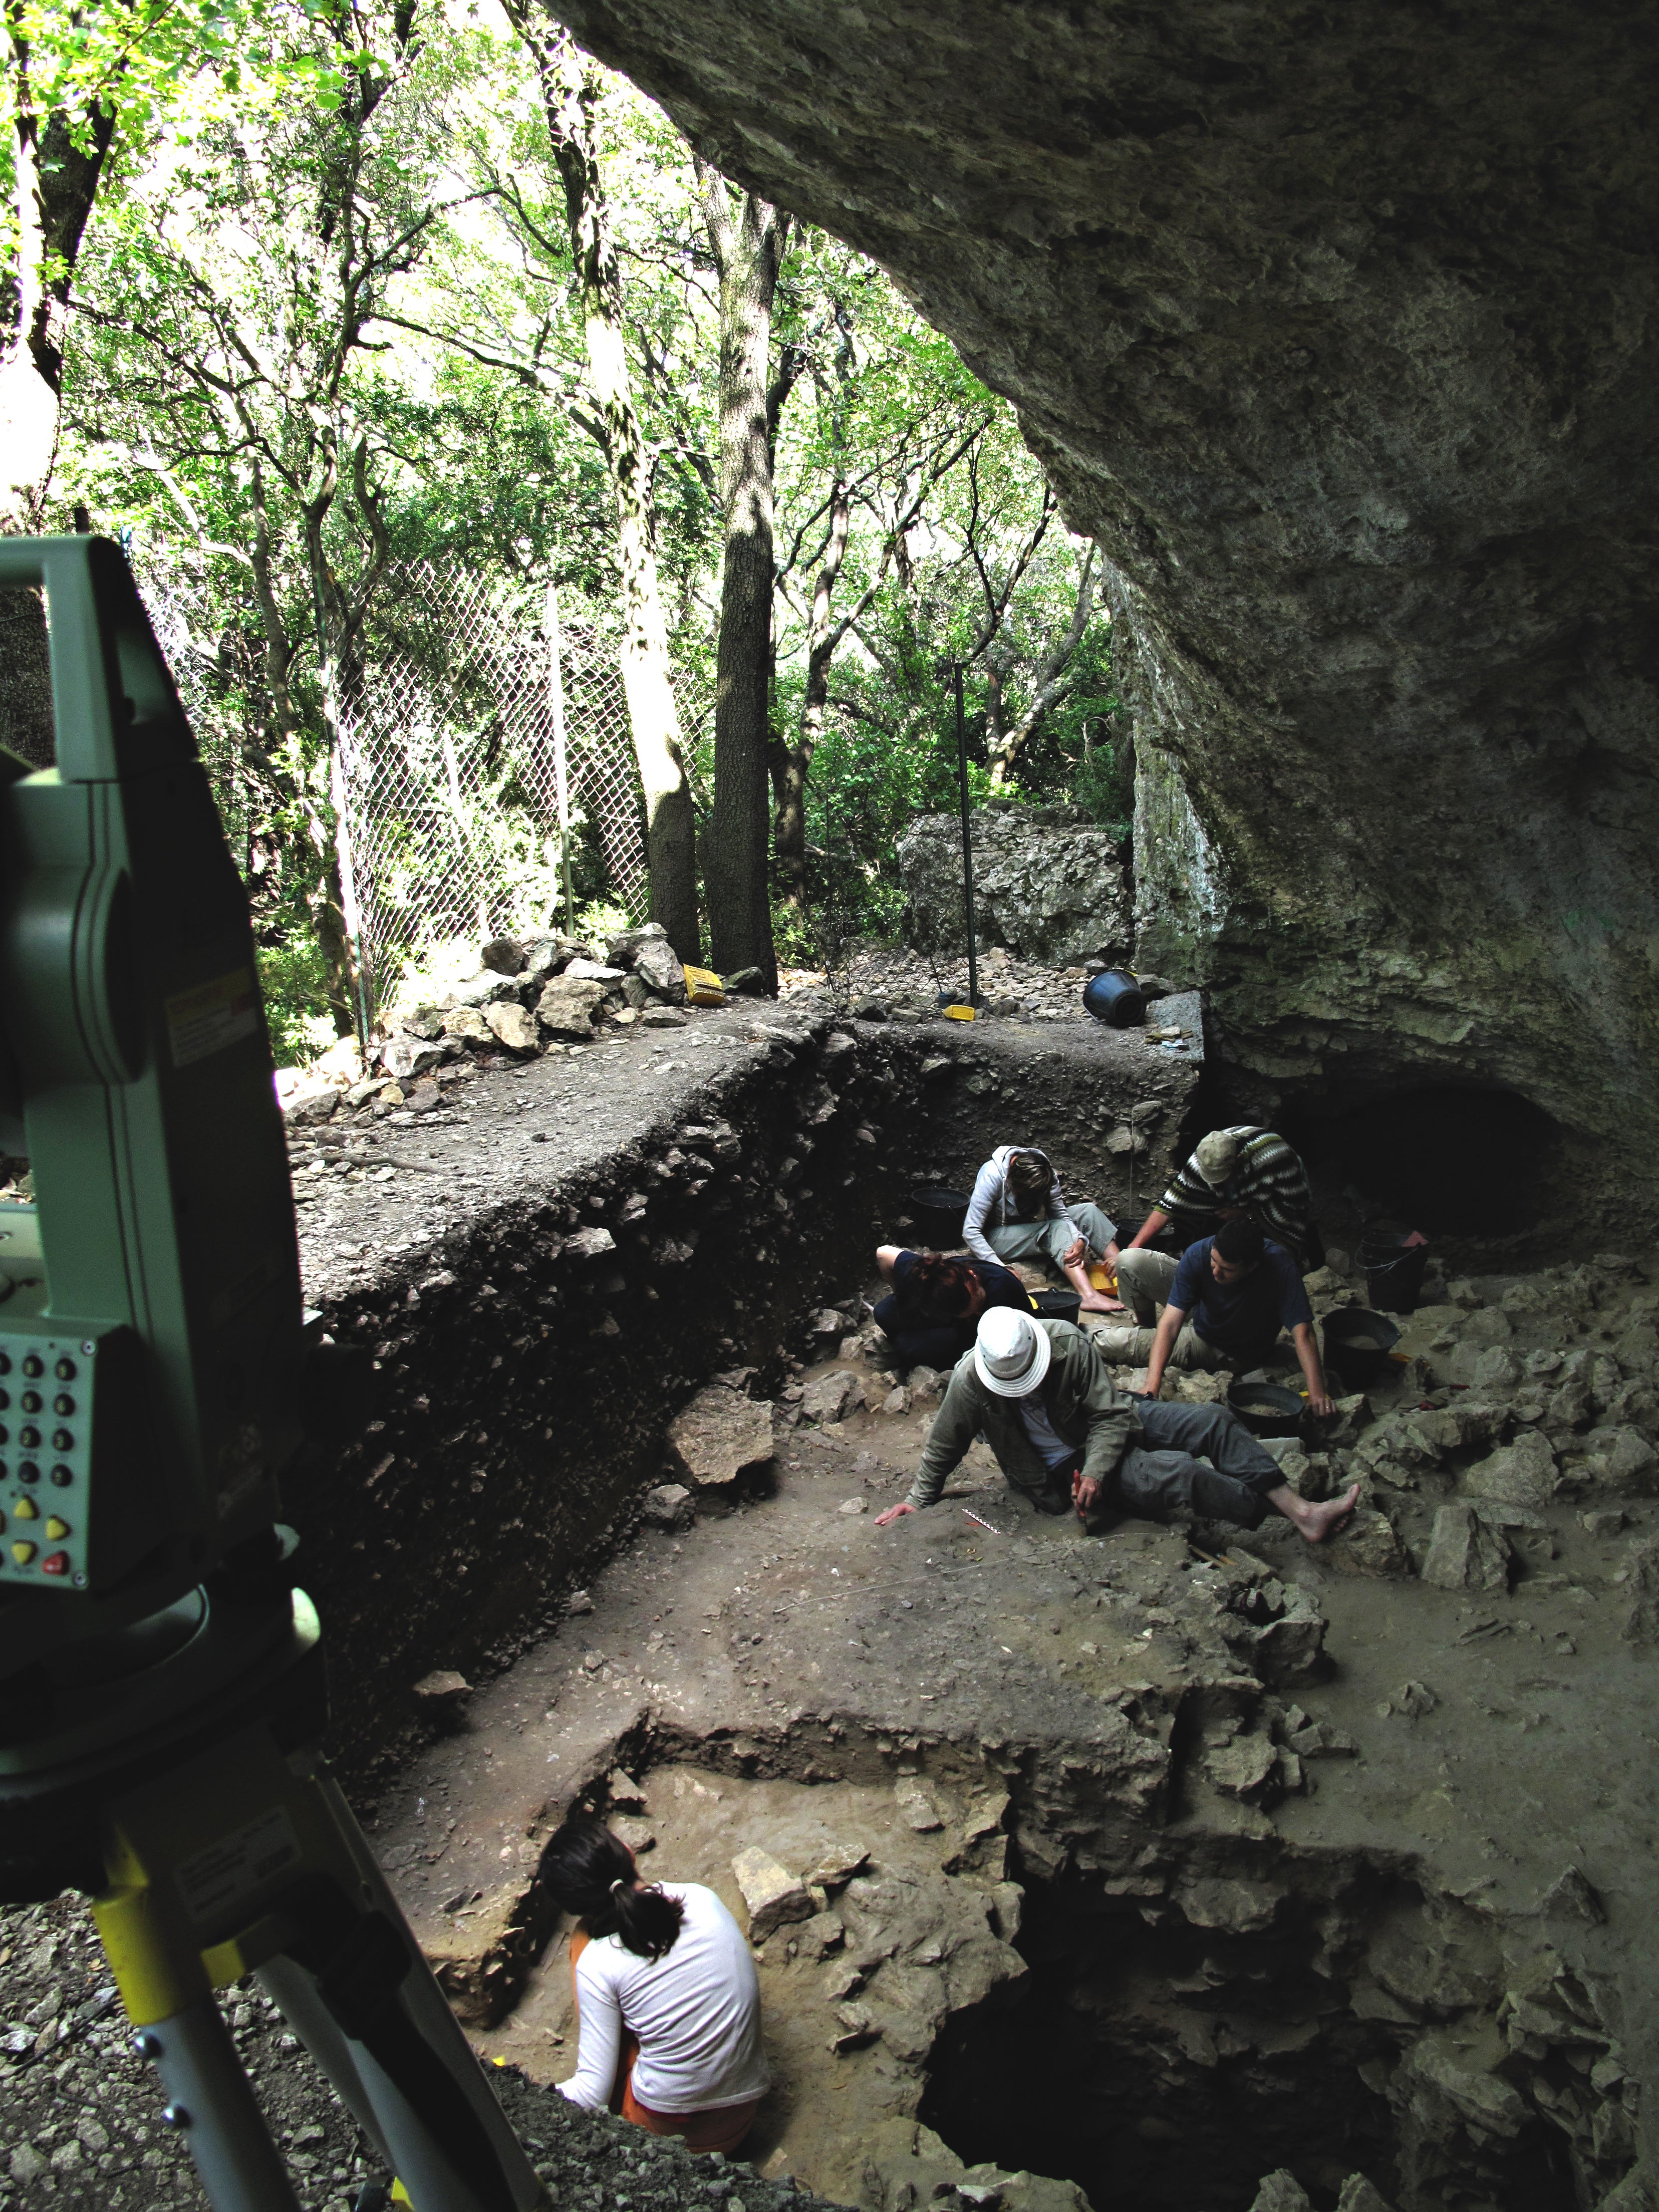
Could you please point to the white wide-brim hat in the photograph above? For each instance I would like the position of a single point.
(1011, 1353)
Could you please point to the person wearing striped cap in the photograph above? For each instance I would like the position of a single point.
(1245, 1171)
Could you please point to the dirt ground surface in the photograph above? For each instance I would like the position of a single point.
(789, 1676)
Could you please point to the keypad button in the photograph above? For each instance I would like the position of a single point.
(26, 1510)
(63, 1476)
(55, 1562)
(30, 1401)
(5, 1365)
(63, 1404)
(63, 1440)
(65, 1370)
(23, 1554)
(29, 1439)
(34, 1364)
(5, 1400)
(56, 1527)
(5, 1434)
(27, 1471)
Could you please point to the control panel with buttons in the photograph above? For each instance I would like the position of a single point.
(60, 1394)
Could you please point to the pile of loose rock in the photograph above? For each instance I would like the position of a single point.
(547, 994)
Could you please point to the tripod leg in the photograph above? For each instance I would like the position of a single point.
(294, 1993)
(404, 2124)
(212, 2102)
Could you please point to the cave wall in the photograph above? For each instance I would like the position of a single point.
(1336, 327)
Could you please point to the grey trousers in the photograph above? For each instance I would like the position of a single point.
(1144, 1279)
(1161, 1477)
(1024, 1240)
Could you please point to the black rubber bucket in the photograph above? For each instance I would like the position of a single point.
(1393, 1264)
(938, 1216)
(1267, 1409)
(1115, 998)
(1057, 1305)
(1357, 1344)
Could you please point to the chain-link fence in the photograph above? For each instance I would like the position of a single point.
(449, 760)
(449, 756)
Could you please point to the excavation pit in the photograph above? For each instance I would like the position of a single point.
(1418, 1817)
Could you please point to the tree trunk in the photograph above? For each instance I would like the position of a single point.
(56, 181)
(671, 835)
(1005, 743)
(789, 830)
(747, 241)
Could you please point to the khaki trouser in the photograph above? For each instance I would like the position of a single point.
(1144, 1281)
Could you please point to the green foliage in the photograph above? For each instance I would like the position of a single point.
(266, 418)
(294, 978)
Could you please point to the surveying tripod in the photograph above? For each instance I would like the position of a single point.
(165, 1691)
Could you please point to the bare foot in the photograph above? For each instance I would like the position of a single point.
(1317, 1523)
(1098, 1302)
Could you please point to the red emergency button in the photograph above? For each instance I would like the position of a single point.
(55, 1562)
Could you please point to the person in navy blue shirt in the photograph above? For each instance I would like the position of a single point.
(936, 1302)
(1231, 1295)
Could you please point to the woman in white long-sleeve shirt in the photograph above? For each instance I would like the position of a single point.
(666, 1994)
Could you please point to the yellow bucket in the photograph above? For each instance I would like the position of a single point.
(958, 1013)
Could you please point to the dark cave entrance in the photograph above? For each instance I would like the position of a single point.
(1169, 2068)
(1450, 1161)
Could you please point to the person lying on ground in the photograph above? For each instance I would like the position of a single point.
(1061, 1431)
(930, 1318)
(1224, 1302)
(1246, 1170)
(667, 1998)
(1017, 1211)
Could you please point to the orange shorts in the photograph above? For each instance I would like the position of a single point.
(721, 2128)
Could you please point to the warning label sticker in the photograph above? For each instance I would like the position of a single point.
(214, 1015)
(234, 1871)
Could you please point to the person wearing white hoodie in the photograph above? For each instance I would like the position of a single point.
(1018, 1210)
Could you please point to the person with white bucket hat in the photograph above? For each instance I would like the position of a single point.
(1063, 1433)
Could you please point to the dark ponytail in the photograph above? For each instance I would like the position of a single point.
(592, 1872)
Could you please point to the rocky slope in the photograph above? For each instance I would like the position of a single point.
(1337, 329)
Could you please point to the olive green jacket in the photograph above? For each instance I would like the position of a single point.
(1084, 1403)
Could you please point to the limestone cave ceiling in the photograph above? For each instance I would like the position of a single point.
(1336, 327)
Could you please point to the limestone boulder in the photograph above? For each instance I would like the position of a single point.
(568, 1006)
(772, 1894)
(403, 1055)
(512, 1025)
(657, 967)
(1523, 1473)
(467, 1024)
(1048, 885)
(1466, 1552)
(720, 1434)
(831, 1397)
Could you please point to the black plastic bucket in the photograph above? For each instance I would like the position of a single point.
(1357, 1344)
(1267, 1409)
(938, 1216)
(1115, 997)
(1057, 1305)
(1394, 1262)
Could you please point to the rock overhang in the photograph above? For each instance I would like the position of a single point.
(1337, 335)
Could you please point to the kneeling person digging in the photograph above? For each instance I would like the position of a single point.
(1044, 1399)
(1228, 1298)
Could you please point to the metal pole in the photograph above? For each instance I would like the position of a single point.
(561, 785)
(967, 841)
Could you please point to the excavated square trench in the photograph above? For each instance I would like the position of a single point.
(1143, 1865)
